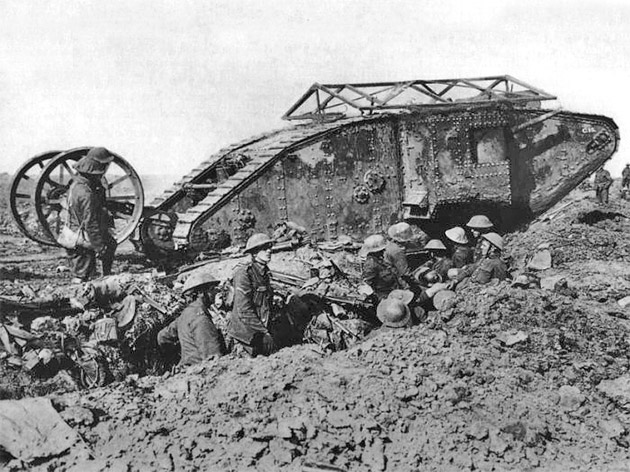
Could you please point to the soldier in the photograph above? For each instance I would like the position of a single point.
(399, 234)
(253, 299)
(602, 183)
(625, 177)
(491, 266)
(462, 254)
(439, 262)
(88, 216)
(478, 225)
(377, 272)
(197, 335)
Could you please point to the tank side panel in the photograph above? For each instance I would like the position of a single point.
(322, 180)
(314, 186)
(551, 158)
(258, 208)
(418, 165)
(471, 156)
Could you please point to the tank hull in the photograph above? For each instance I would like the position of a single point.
(431, 167)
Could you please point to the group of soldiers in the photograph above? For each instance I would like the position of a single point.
(405, 295)
(402, 295)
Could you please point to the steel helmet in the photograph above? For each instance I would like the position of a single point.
(443, 299)
(87, 165)
(494, 239)
(457, 235)
(400, 232)
(404, 296)
(393, 313)
(258, 241)
(373, 243)
(100, 154)
(479, 222)
(452, 273)
(198, 279)
(432, 277)
(435, 244)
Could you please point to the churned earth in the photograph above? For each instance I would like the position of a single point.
(528, 376)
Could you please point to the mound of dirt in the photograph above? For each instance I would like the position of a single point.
(507, 377)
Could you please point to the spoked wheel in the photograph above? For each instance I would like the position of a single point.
(22, 200)
(124, 193)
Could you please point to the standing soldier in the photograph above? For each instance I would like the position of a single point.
(462, 254)
(253, 299)
(88, 215)
(193, 330)
(602, 183)
(478, 225)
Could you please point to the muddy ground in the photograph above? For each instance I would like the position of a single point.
(510, 377)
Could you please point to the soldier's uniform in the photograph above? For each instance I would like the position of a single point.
(462, 256)
(625, 176)
(395, 256)
(197, 335)
(488, 268)
(87, 209)
(251, 313)
(441, 265)
(380, 275)
(602, 183)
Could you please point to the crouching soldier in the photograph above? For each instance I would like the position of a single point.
(198, 337)
(377, 272)
(478, 225)
(462, 254)
(490, 266)
(253, 299)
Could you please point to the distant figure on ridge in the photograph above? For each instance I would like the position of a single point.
(602, 183)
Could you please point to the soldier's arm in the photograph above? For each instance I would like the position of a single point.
(168, 335)
(500, 271)
(369, 273)
(244, 302)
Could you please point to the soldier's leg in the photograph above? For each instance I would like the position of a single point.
(83, 263)
(107, 258)
(605, 195)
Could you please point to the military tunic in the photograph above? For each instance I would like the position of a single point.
(253, 299)
(462, 256)
(197, 335)
(87, 210)
(380, 275)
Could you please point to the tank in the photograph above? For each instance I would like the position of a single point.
(365, 156)
(355, 159)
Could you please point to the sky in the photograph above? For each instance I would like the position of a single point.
(165, 84)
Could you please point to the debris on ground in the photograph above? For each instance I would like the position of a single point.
(525, 374)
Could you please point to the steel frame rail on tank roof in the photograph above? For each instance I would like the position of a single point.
(331, 101)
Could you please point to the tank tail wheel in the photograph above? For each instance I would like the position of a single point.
(124, 193)
(22, 199)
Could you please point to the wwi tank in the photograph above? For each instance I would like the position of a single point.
(362, 156)
(365, 156)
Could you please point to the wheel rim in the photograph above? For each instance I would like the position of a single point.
(124, 193)
(22, 201)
